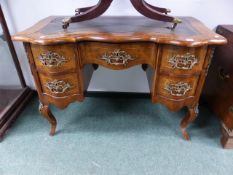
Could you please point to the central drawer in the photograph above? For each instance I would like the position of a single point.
(118, 55)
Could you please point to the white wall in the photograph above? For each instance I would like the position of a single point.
(24, 13)
(8, 74)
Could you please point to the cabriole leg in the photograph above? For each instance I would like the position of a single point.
(190, 117)
(45, 112)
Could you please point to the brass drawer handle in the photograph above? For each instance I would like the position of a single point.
(117, 57)
(223, 75)
(178, 89)
(52, 59)
(58, 86)
(183, 62)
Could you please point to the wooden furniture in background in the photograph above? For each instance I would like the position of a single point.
(178, 60)
(12, 99)
(218, 90)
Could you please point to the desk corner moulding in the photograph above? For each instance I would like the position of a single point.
(62, 60)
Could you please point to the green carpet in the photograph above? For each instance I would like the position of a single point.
(105, 136)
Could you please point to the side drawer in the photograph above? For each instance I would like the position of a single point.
(182, 60)
(60, 86)
(55, 58)
(118, 56)
(177, 88)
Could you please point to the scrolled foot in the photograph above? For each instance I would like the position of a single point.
(185, 134)
(190, 117)
(66, 23)
(176, 21)
(45, 112)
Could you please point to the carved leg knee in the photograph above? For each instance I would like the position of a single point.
(45, 112)
(190, 117)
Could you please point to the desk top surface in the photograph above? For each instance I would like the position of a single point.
(190, 32)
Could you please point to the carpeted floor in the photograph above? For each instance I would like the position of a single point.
(104, 136)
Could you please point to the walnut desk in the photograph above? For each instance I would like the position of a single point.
(177, 60)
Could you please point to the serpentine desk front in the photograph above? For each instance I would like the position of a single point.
(177, 60)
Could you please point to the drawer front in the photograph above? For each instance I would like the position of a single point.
(60, 86)
(118, 56)
(177, 88)
(56, 58)
(182, 60)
